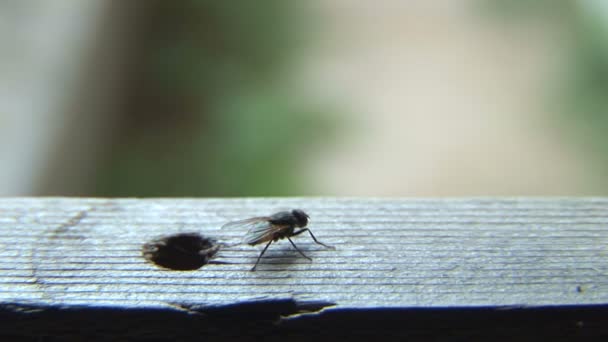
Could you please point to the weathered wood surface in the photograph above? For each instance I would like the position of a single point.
(390, 253)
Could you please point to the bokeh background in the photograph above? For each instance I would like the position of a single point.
(290, 98)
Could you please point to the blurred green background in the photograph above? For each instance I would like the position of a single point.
(291, 98)
(210, 113)
(578, 92)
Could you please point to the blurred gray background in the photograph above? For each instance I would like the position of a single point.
(321, 97)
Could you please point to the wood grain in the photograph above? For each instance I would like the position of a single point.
(390, 253)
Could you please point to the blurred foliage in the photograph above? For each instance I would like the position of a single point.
(525, 9)
(209, 111)
(580, 93)
(585, 91)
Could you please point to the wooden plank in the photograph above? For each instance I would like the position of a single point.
(402, 254)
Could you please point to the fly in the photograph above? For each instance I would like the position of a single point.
(281, 225)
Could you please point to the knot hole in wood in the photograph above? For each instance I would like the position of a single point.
(181, 252)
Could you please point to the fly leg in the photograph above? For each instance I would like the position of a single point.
(260, 257)
(297, 249)
(313, 237)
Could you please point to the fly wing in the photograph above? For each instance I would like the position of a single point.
(261, 232)
(247, 223)
(260, 229)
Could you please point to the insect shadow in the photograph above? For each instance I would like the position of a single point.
(281, 225)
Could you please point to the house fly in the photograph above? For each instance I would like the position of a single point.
(281, 225)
